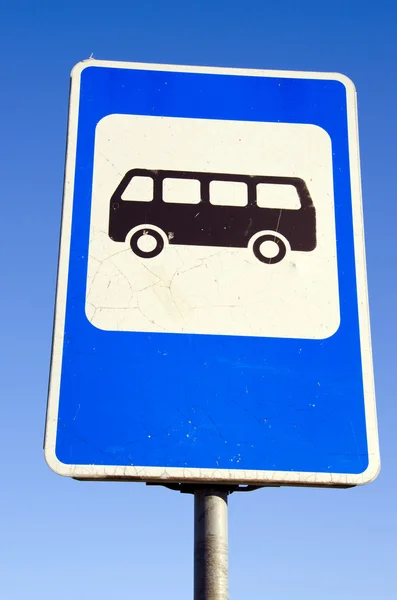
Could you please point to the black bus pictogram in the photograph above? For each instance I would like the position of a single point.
(203, 222)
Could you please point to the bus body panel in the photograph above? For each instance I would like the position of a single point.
(203, 225)
(206, 224)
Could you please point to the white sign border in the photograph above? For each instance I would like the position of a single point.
(225, 476)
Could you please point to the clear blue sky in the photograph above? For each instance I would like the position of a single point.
(65, 539)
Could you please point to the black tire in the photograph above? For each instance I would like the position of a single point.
(146, 231)
(269, 237)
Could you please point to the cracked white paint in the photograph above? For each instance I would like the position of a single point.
(197, 289)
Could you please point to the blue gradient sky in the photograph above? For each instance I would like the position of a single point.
(65, 539)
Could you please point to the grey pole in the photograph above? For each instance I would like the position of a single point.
(210, 545)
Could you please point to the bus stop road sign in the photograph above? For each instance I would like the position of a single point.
(211, 318)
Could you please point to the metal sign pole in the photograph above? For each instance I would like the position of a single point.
(210, 544)
(211, 568)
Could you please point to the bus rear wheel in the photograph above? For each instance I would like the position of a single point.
(147, 243)
(269, 248)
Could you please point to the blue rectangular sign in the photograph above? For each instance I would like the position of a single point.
(212, 317)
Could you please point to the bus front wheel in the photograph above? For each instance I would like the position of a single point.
(147, 243)
(269, 248)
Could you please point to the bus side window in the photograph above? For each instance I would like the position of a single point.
(139, 189)
(228, 193)
(181, 191)
(276, 195)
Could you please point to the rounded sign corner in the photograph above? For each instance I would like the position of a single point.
(372, 471)
(347, 83)
(54, 463)
(79, 67)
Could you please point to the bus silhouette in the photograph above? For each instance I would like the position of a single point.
(201, 216)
